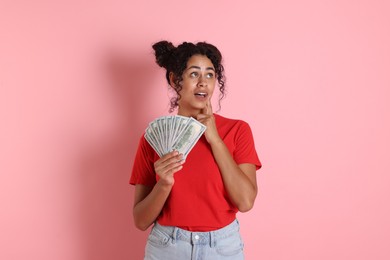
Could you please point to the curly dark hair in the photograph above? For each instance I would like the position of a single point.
(174, 59)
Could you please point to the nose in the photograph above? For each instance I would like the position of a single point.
(202, 82)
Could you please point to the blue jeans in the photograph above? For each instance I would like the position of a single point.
(172, 243)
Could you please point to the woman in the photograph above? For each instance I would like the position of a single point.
(193, 203)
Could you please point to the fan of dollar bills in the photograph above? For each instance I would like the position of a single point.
(168, 133)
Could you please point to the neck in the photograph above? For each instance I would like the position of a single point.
(189, 113)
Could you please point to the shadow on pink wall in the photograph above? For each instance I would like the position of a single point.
(106, 220)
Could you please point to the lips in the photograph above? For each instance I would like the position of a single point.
(201, 94)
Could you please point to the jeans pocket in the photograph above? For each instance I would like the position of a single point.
(230, 246)
(158, 238)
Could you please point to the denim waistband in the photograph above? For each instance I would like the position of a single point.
(199, 237)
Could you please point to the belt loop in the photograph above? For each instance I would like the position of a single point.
(174, 235)
(212, 239)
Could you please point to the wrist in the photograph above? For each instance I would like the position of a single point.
(217, 141)
(164, 185)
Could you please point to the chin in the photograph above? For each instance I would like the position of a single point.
(200, 107)
(195, 106)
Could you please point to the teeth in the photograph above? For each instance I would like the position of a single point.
(201, 94)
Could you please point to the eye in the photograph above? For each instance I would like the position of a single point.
(210, 75)
(194, 74)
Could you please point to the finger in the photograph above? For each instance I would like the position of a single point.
(172, 160)
(209, 107)
(201, 116)
(205, 109)
(178, 166)
(167, 159)
(169, 155)
(173, 167)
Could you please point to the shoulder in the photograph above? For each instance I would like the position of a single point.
(145, 148)
(224, 121)
(228, 126)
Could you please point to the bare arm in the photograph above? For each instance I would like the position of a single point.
(149, 201)
(239, 180)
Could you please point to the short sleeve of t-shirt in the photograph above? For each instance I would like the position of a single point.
(245, 151)
(143, 167)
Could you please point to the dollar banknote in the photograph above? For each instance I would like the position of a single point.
(168, 133)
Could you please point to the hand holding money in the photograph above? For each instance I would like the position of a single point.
(166, 166)
(174, 133)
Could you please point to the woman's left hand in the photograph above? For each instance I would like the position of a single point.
(206, 117)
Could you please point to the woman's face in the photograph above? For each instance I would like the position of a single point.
(197, 85)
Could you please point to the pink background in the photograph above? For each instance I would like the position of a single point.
(78, 85)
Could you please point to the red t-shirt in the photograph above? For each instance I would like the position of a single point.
(198, 200)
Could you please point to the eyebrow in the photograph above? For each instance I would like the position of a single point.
(197, 67)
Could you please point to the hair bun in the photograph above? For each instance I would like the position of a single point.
(163, 51)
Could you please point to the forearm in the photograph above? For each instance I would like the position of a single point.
(148, 202)
(242, 191)
(146, 211)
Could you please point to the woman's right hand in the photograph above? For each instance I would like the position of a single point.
(166, 166)
(148, 200)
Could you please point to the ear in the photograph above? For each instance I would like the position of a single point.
(172, 79)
